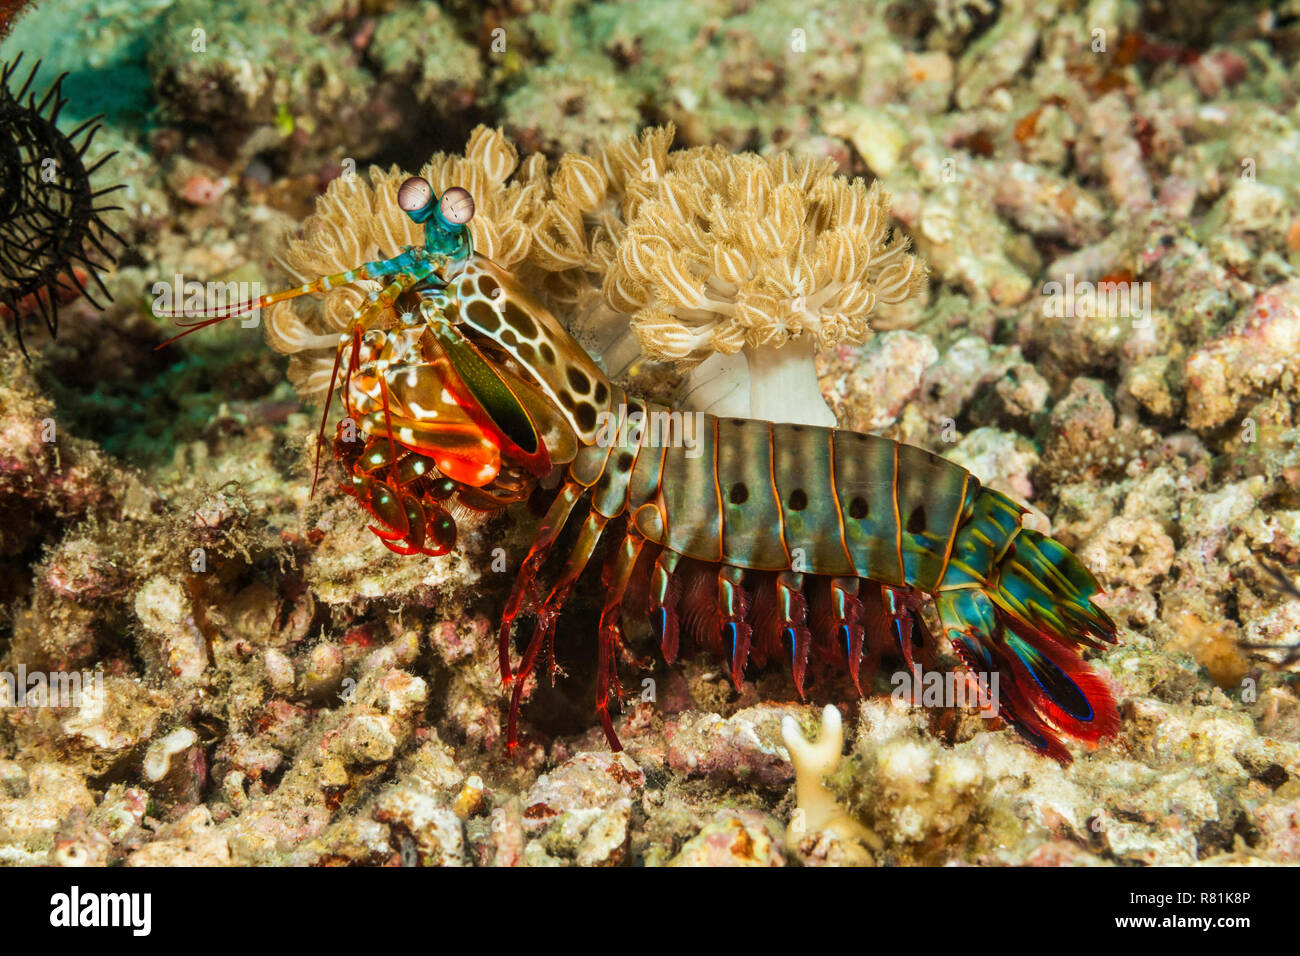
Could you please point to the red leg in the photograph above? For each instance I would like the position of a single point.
(733, 606)
(549, 611)
(611, 632)
(847, 612)
(899, 616)
(324, 416)
(793, 610)
(664, 591)
(524, 595)
(385, 503)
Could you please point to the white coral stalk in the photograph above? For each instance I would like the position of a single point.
(771, 384)
(817, 811)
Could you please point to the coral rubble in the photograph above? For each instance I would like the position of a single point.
(1104, 197)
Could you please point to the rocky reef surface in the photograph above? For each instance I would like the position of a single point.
(276, 687)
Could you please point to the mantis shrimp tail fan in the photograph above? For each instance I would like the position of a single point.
(1023, 622)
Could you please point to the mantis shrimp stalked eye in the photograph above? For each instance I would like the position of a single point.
(414, 196)
(457, 206)
(444, 218)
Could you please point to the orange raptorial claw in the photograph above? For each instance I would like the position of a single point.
(410, 468)
(398, 549)
(385, 503)
(441, 527)
(415, 522)
(471, 469)
(377, 455)
(358, 486)
(442, 489)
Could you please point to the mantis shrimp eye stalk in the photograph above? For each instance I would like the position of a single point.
(456, 206)
(445, 219)
(415, 197)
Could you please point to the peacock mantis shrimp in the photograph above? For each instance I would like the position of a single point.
(758, 540)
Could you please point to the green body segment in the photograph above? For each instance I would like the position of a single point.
(865, 471)
(647, 475)
(803, 470)
(778, 497)
(751, 517)
(932, 496)
(690, 501)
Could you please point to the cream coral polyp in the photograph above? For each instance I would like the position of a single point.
(694, 255)
(738, 251)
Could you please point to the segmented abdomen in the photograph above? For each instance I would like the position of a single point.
(771, 496)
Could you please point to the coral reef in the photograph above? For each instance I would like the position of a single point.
(1104, 196)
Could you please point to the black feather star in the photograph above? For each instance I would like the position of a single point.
(50, 225)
